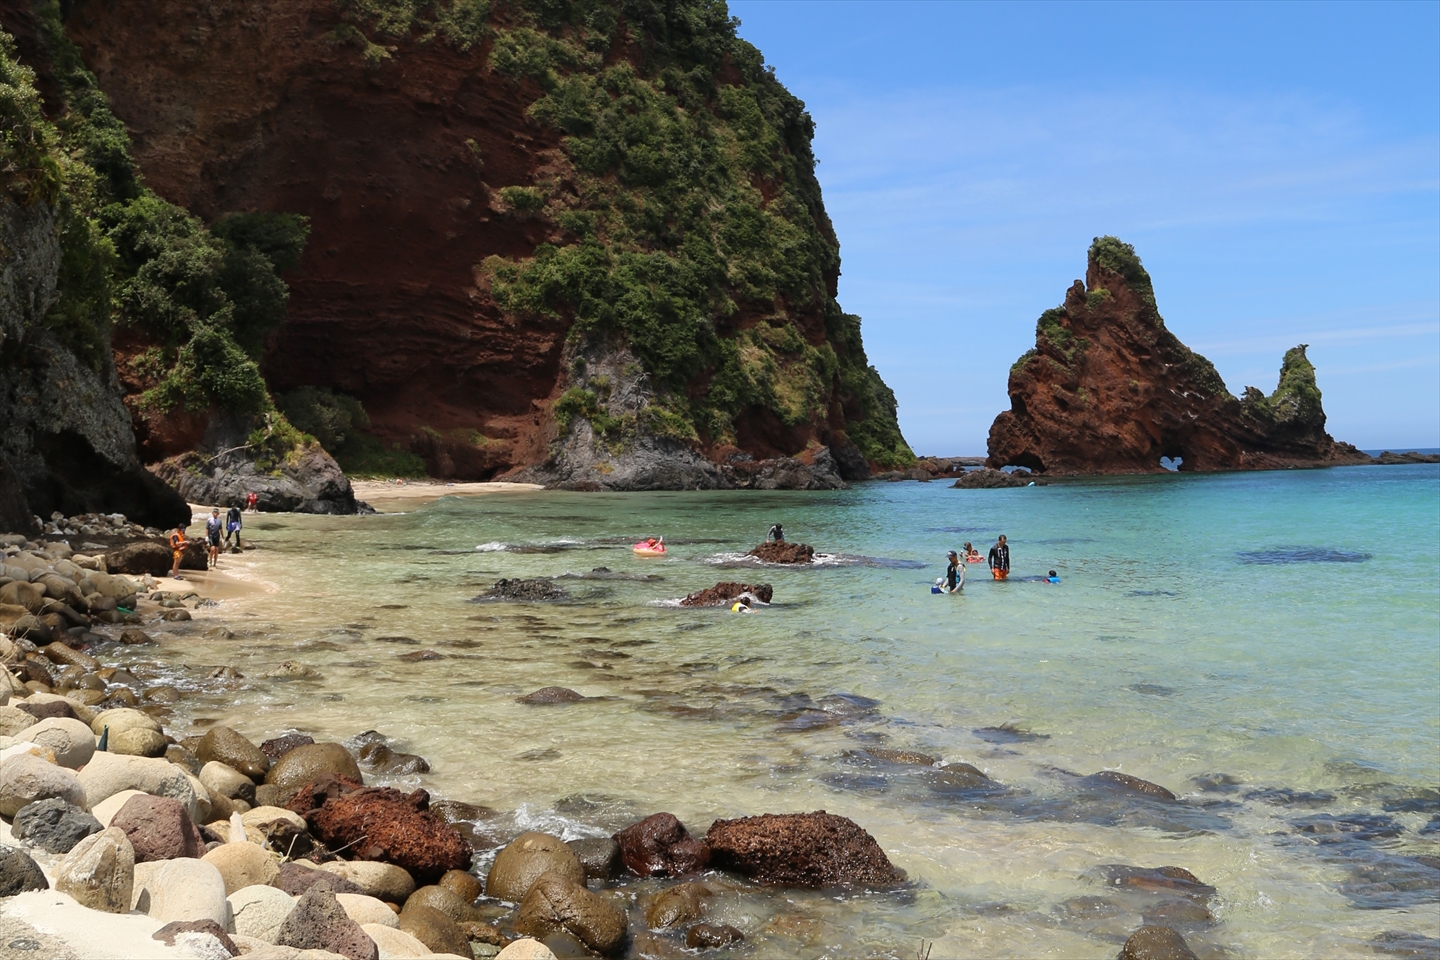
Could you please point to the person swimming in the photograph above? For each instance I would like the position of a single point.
(1052, 577)
(741, 605)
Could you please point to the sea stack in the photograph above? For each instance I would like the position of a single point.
(1108, 389)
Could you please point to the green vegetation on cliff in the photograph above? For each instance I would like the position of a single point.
(206, 298)
(692, 219)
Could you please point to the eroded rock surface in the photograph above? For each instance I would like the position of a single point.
(802, 850)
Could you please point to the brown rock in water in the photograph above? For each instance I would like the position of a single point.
(277, 747)
(599, 855)
(990, 479)
(158, 828)
(445, 901)
(557, 903)
(307, 763)
(1156, 943)
(1175, 880)
(660, 845)
(1109, 389)
(230, 748)
(783, 551)
(676, 905)
(723, 593)
(432, 928)
(524, 859)
(1114, 779)
(464, 885)
(318, 922)
(801, 850)
(709, 936)
(382, 759)
(548, 695)
(381, 823)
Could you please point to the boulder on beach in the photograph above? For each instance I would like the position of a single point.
(394, 942)
(801, 850)
(318, 922)
(431, 927)
(144, 557)
(557, 903)
(53, 825)
(180, 889)
(159, 828)
(1156, 943)
(108, 773)
(26, 779)
(726, 592)
(223, 745)
(660, 845)
(243, 864)
(277, 747)
(600, 856)
(310, 762)
(383, 881)
(463, 884)
(296, 878)
(19, 872)
(259, 910)
(99, 872)
(223, 780)
(524, 859)
(446, 901)
(783, 551)
(363, 909)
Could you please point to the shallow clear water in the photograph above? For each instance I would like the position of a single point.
(1265, 645)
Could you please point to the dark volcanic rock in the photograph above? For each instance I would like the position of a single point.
(170, 931)
(660, 845)
(19, 872)
(144, 557)
(318, 922)
(277, 747)
(53, 825)
(530, 591)
(600, 857)
(295, 880)
(159, 828)
(381, 823)
(723, 593)
(801, 850)
(381, 759)
(1109, 389)
(990, 479)
(784, 551)
(1156, 943)
(1389, 459)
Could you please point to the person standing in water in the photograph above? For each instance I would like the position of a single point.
(999, 559)
(954, 573)
(214, 527)
(177, 550)
(777, 534)
(232, 524)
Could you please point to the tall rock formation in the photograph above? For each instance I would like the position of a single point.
(1108, 389)
(505, 197)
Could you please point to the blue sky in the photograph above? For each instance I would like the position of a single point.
(1277, 167)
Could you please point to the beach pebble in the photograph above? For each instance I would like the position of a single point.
(99, 872)
(526, 949)
(1156, 943)
(242, 865)
(13, 720)
(434, 929)
(137, 742)
(259, 910)
(384, 881)
(304, 764)
(318, 922)
(223, 745)
(660, 845)
(225, 781)
(19, 872)
(464, 885)
(676, 905)
(445, 901)
(71, 740)
(524, 859)
(159, 828)
(183, 889)
(108, 773)
(600, 857)
(122, 719)
(394, 943)
(25, 779)
(53, 825)
(363, 910)
(558, 903)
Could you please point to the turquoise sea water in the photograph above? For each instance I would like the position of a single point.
(1264, 645)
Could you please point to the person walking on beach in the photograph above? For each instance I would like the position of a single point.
(214, 527)
(954, 573)
(777, 534)
(177, 550)
(999, 559)
(232, 525)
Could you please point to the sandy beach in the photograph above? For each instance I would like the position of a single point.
(388, 496)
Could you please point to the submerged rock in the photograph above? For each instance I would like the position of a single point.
(783, 551)
(1156, 943)
(557, 903)
(530, 591)
(547, 695)
(802, 850)
(1114, 779)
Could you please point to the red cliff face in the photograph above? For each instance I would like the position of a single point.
(1109, 390)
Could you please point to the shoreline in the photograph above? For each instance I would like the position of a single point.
(384, 495)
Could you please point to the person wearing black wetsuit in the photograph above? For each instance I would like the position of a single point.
(777, 533)
(954, 574)
(232, 524)
(999, 559)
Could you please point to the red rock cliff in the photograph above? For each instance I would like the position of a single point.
(1109, 389)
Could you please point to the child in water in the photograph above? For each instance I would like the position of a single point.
(1052, 577)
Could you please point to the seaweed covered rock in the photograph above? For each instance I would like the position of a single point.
(783, 551)
(726, 592)
(801, 850)
(1109, 389)
(527, 591)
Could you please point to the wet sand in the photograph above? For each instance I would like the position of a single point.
(389, 497)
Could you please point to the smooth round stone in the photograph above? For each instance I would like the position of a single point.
(259, 910)
(445, 901)
(524, 859)
(108, 773)
(71, 740)
(303, 764)
(13, 720)
(384, 881)
(225, 746)
(224, 780)
(363, 910)
(464, 885)
(243, 865)
(121, 719)
(525, 949)
(19, 872)
(26, 778)
(182, 889)
(394, 942)
(137, 742)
